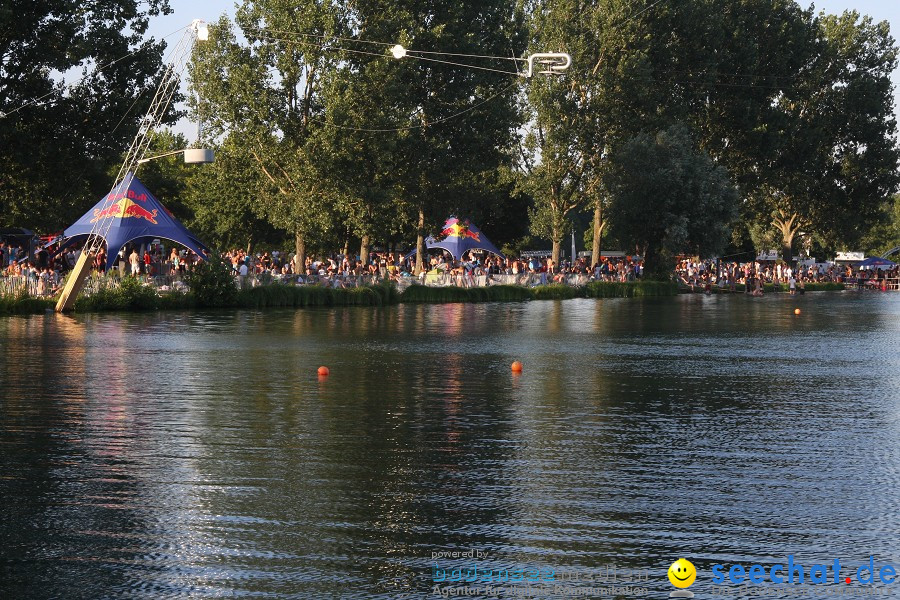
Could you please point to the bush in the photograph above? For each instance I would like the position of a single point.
(212, 283)
(556, 291)
(21, 303)
(388, 293)
(130, 294)
(299, 296)
(420, 293)
(508, 293)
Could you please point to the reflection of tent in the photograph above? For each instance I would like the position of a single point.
(875, 262)
(458, 237)
(136, 216)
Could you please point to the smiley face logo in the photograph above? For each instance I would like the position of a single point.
(682, 573)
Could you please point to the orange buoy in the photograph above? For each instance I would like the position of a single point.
(796, 311)
(516, 367)
(323, 371)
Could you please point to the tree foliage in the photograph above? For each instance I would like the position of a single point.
(836, 159)
(669, 198)
(264, 95)
(59, 140)
(323, 136)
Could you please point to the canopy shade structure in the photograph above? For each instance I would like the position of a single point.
(136, 216)
(458, 237)
(875, 262)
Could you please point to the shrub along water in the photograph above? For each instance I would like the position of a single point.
(512, 293)
(21, 303)
(212, 283)
(824, 286)
(292, 296)
(131, 294)
(630, 289)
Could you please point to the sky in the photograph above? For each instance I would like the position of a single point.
(185, 11)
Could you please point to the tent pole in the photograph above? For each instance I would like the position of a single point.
(75, 282)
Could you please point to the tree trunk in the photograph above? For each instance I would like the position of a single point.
(788, 228)
(599, 224)
(420, 242)
(250, 245)
(300, 256)
(557, 246)
(652, 268)
(364, 250)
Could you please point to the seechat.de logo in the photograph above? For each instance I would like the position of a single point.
(792, 573)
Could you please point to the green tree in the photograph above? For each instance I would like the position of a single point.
(222, 199)
(837, 160)
(884, 235)
(458, 120)
(58, 141)
(622, 80)
(561, 141)
(669, 198)
(265, 95)
(358, 144)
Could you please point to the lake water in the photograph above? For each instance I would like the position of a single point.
(199, 454)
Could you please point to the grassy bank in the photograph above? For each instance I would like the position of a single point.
(436, 295)
(132, 295)
(630, 289)
(289, 296)
(513, 293)
(774, 288)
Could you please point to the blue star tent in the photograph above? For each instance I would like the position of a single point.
(458, 237)
(875, 262)
(135, 216)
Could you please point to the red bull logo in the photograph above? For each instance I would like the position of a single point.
(454, 229)
(130, 194)
(125, 209)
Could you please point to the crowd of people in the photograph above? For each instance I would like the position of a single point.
(339, 270)
(754, 275)
(41, 272)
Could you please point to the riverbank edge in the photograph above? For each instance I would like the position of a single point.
(143, 299)
(768, 288)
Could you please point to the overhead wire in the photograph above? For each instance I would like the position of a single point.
(409, 54)
(329, 47)
(386, 44)
(423, 125)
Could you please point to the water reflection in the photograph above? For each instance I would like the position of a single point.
(199, 454)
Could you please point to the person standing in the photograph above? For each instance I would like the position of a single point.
(242, 275)
(135, 260)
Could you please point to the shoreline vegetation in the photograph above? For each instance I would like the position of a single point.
(133, 296)
(768, 288)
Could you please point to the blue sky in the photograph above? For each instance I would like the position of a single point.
(209, 10)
